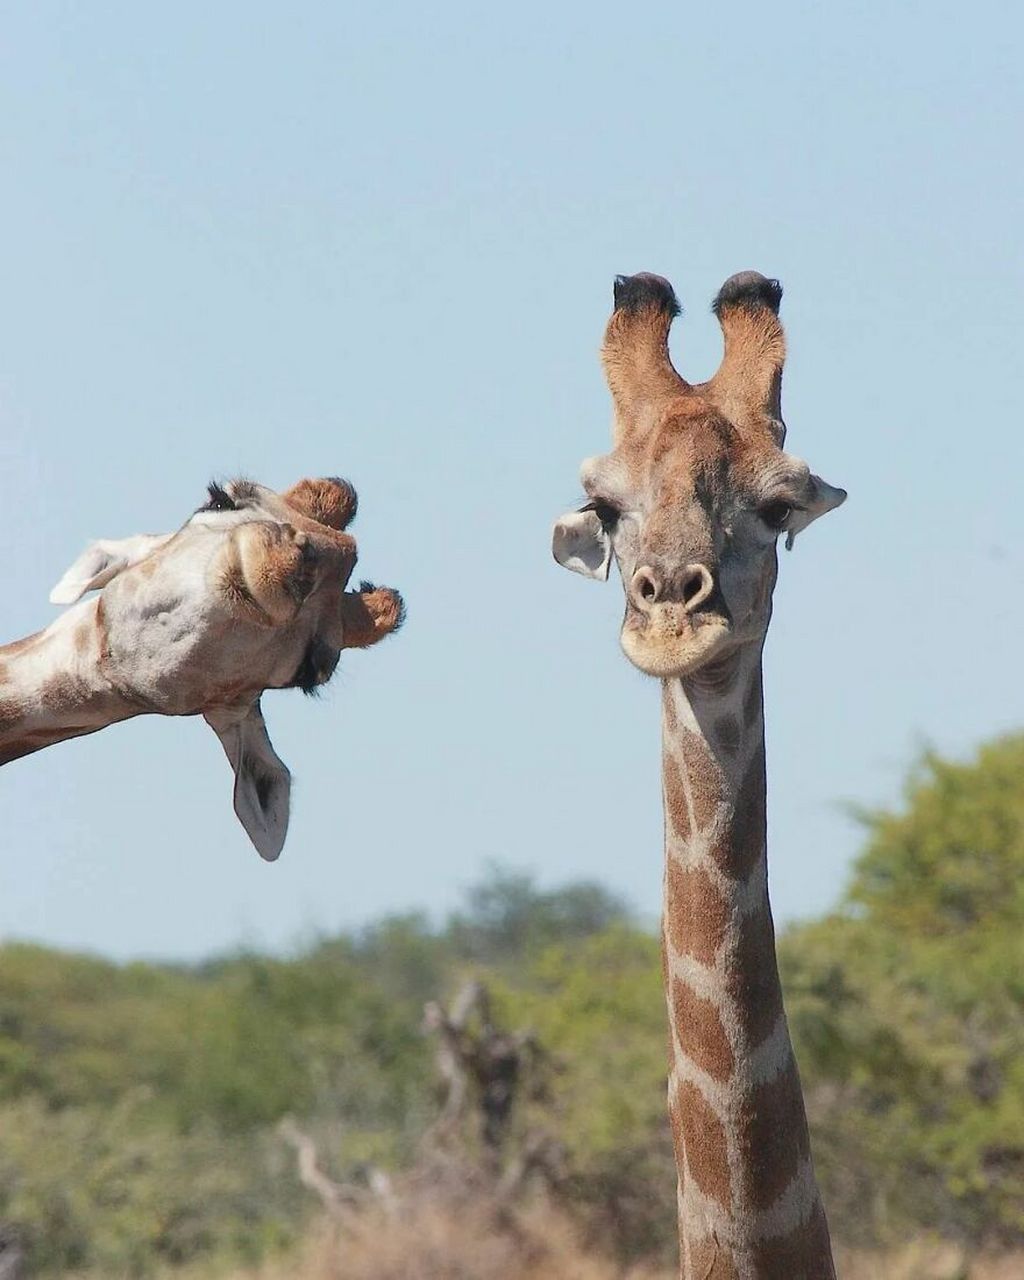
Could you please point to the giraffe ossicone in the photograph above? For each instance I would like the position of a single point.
(248, 595)
(690, 503)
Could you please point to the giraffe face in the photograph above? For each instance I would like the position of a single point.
(692, 499)
(248, 595)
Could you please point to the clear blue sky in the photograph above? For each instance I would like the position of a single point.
(380, 240)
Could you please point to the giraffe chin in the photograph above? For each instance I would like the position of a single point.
(667, 655)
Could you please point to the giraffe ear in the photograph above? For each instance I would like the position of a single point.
(821, 497)
(262, 781)
(103, 560)
(581, 543)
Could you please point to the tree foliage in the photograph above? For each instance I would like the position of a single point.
(138, 1102)
(908, 1010)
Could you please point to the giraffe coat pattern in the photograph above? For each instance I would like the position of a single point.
(689, 504)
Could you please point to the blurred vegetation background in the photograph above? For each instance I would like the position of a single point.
(139, 1103)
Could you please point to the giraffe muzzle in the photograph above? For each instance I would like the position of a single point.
(670, 638)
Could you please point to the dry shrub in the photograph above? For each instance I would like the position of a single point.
(927, 1260)
(434, 1241)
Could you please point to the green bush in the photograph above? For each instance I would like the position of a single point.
(138, 1102)
(908, 1011)
(105, 1189)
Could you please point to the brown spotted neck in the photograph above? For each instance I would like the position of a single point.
(748, 1203)
(52, 688)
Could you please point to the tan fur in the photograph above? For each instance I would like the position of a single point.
(248, 595)
(786, 1257)
(276, 565)
(710, 1261)
(696, 913)
(768, 1127)
(674, 1115)
(368, 616)
(741, 843)
(677, 802)
(101, 634)
(704, 783)
(17, 647)
(694, 483)
(338, 506)
(700, 1032)
(329, 502)
(753, 983)
(637, 366)
(748, 382)
(705, 1145)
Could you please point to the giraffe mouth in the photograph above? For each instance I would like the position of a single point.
(666, 644)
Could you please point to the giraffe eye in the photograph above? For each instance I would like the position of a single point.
(775, 514)
(218, 499)
(605, 512)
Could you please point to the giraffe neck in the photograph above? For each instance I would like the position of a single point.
(748, 1203)
(52, 686)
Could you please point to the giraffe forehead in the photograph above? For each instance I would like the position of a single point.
(697, 455)
(257, 499)
(319, 507)
(710, 458)
(694, 490)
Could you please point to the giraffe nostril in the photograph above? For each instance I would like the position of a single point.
(646, 587)
(697, 586)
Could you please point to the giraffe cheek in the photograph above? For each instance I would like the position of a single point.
(275, 568)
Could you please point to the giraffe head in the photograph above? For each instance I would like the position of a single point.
(249, 594)
(697, 487)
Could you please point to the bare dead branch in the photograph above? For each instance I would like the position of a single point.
(340, 1199)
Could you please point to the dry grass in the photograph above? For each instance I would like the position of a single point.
(923, 1260)
(433, 1242)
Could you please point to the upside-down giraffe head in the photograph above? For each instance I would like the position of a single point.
(249, 594)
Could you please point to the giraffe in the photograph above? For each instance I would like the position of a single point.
(690, 503)
(249, 594)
